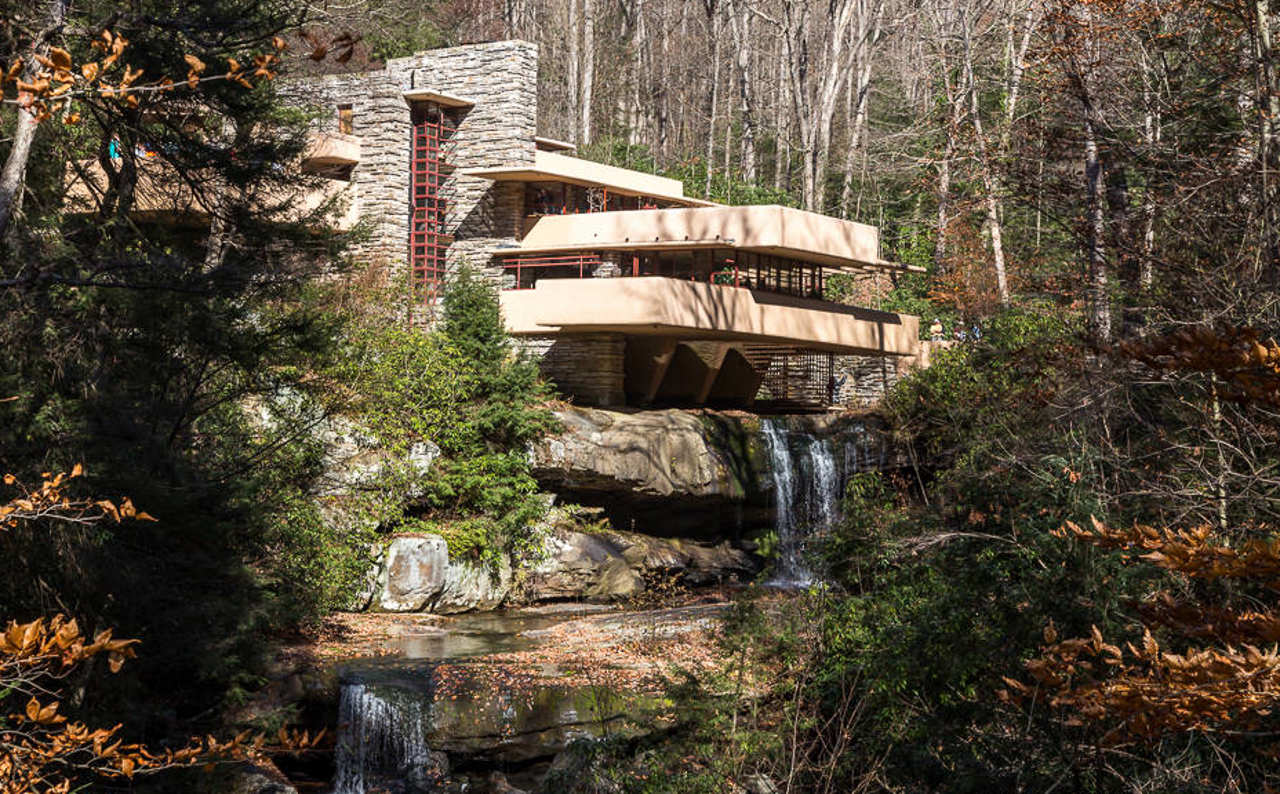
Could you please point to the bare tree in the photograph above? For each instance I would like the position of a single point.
(588, 70)
(740, 16)
(990, 183)
(866, 36)
(817, 59)
(13, 173)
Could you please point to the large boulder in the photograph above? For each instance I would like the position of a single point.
(471, 586)
(614, 565)
(414, 572)
(651, 453)
(262, 778)
(571, 566)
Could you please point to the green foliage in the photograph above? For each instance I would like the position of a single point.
(910, 291)
(983, 385)
(465, 390)
(404, 385)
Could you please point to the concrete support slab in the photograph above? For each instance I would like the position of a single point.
(737, 382)
(647, 360)
(713, 371)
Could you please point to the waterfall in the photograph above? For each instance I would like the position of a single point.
(791, 570)
(378, 737)
(808, 484)
(825, 484)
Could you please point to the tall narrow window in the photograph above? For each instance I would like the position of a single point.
(346, 119)
(428, 242)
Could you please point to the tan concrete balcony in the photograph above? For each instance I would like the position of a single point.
(656, 306)
(551, 166)
(164, 196)
(771, 229)
(326, 149)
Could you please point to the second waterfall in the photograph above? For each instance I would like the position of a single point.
(808, 483)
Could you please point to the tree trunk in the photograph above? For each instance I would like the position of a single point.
(513, 17)
(575, 65)
(641, 64)
(816, 87)
(661, 92)
(951, 126)
(13, 174)
(1268, 146)
(1100, 296)
(990, 183)
(740, 25)
(868, 36)
(713, 21)
(588, 70)
(781, 142)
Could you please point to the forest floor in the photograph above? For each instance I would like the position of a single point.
(633, 646)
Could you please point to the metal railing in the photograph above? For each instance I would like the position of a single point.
(527, 268)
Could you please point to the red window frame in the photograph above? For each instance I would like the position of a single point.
(433, 128)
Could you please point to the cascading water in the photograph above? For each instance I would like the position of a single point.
(791, 570)
(378, 737)
(808, 481)
(825, 484)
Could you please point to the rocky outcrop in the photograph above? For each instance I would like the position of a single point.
(469, 586)
(699, 474)
(616, 565)
(415, 574)
(648, 453)
(248, 778)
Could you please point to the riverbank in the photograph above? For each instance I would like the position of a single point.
(507, 691)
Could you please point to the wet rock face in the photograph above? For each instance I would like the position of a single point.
(677, 473)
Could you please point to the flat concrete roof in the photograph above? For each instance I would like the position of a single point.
(555, 167)
(658, 306)
(553, 145)
(439, 97)
(766, 229)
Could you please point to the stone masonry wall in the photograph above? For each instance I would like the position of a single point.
(590, 367)
(501, 78)
(381, 179)
(861, 381)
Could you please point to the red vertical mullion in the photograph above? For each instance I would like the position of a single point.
(429, 131)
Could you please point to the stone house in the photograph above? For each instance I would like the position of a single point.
(628, 291)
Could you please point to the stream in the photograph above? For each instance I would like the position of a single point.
(505, 692)
(489, 701)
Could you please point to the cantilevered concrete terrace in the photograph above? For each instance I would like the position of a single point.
(553, 167)
(770, 229)
(163, 195)
(675, 308)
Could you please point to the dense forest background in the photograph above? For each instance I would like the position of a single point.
(1073, 588)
